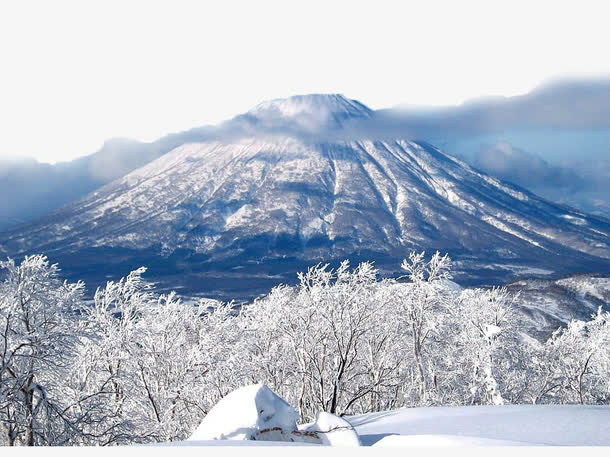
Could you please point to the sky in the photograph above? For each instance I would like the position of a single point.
(74, 73)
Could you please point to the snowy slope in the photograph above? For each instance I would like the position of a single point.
(271, 197)
(514, 425)
(549, 304)
(254, 413)
(558, 425)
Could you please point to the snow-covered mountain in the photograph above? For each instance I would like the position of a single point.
(274, 200)
(560, 131)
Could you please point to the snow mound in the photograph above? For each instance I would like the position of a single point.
(333, 430)
(256, 413)
(252, 412)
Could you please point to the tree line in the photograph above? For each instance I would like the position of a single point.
(135, 366)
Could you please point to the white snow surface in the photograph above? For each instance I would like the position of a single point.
(243, 413)
(333, 430)
(557, 425)
(440, 441)
(256, 415)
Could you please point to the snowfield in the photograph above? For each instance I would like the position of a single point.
(516, 425)
(546, 425)
(255, 414)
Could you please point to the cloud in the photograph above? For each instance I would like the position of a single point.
(584, 185)
(562, 104)
(524, 168)
(119, 156)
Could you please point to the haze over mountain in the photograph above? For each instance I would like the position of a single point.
(32, 189)
(260, 204)
(561, 131)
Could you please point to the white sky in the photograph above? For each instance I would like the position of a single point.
(73, 74)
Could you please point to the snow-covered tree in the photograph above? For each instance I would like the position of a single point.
(576, 360)
(37, 344)
(137, 366)
(421, 306)
(156, 358)
(311, 340)
(170, 364)
(485, 340)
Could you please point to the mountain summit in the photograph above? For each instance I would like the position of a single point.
(309, 112)
(259, 208)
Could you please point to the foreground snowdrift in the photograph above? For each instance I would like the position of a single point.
(250, 413)
(332, 430)
(254, 415)
(561, 425)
